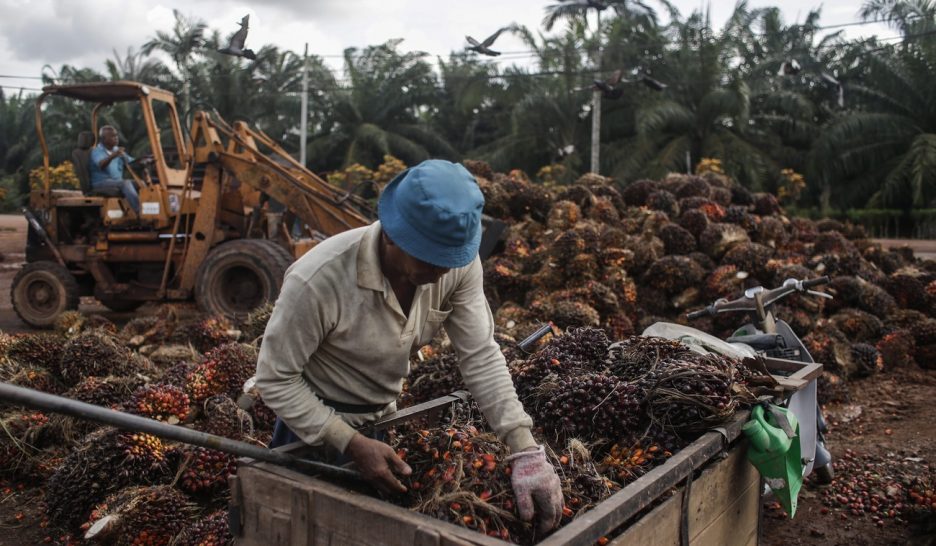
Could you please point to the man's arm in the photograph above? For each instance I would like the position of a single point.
(482, 365)
(103, 158)
(297, 326)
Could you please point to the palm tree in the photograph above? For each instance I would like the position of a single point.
(186, 38)
(705, 112)
(570, 10)
(385, 110)
(547, 110)
(887, 146)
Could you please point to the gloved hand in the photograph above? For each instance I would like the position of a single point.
(534, 480)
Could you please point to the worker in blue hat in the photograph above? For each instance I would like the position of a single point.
(354, 308)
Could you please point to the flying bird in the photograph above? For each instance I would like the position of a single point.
(656, 85)
(789, 68)
(609, 89)
(484, 47)
(829, 78)
(236, 45)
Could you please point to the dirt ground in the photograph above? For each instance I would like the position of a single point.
(888, 417)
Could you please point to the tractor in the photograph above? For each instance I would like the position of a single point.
(224, 211)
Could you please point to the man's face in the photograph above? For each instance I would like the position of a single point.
(419, 272)
(110, 139)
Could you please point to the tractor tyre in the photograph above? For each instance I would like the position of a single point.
(42, 291)
(239, 276)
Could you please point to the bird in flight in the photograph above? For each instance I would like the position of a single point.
(484, 47)
(236, 45)
(609, 89)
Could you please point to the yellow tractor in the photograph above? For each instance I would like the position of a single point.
(223, 213)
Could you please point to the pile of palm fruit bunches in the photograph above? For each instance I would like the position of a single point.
(598, 260)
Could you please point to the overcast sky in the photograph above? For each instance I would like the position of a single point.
(34, 33)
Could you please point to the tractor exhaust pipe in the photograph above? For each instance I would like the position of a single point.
(13, 394)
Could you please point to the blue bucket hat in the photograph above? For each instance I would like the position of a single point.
(433, 212)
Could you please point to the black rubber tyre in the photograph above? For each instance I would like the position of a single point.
(239, 276)
(823, 475)
(42, 291)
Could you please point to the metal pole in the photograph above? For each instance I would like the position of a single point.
(58, 404)
(596, 109)
(304, 108)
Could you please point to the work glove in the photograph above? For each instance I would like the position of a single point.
(535, 482)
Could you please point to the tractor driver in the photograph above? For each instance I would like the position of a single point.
(107, 166)
(351, 310)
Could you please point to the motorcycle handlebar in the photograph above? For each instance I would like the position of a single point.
(809, 283)
(746, 303)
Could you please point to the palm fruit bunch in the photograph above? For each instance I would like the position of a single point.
(589, 405)
(573, 314)
(636, 358)
(209, 530)
(718, 237)
(577, 350)
(897, 349)
(39, 379)
(506, 277)
(724, 281)
(691, 393)
(222, 417)
(749, 257)
(140, 516)
(223, 370)
(924, 335)
(205, 471)
(677, 239)
(18, 443)
(95, 354)
(434, 377)
(831, 388)
(256, 322)
(829, 347)
(36, 351)
(673, 274)
(207, 333)
(159, 401)
(459, 475)
(857, 325)
(867, 359)
(105, 462)
(106, 392)
(583, 485)
(564, 214)
(663, 201)
(70, 324)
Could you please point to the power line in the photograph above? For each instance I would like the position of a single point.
(20, 77)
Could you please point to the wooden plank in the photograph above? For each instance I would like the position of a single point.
(626, 503)
(716, 489)
(301, 531)
(659, 527)
(736, 525)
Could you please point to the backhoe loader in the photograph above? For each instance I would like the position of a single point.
(224, 211)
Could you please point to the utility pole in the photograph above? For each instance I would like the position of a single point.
(596, 108)
(304, 108)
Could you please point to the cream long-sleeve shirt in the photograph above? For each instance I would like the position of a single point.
(337, 332)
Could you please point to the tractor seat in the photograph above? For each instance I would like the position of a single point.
(81, 162)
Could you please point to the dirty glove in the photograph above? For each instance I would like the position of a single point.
(534, 480)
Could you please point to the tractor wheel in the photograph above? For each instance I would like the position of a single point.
(41, 291)
(239, 276)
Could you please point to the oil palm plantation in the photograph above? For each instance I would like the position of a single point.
(705, 111)
(181, 44)
(383, 109)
